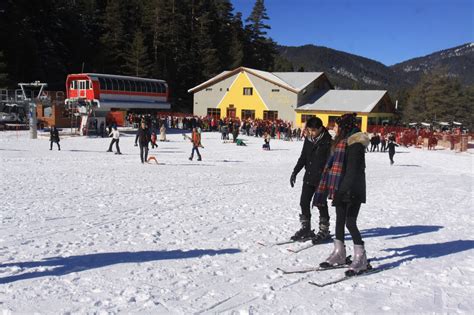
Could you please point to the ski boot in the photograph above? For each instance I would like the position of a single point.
(323, 233)
(359, 264)
(337, 257)
(305, 232)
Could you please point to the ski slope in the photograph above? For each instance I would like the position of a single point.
(83, 230)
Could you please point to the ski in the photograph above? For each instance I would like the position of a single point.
(312, 269)
(307, 246)
(284, 242)
(365, 273)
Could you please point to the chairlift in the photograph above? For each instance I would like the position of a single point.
(426, 124)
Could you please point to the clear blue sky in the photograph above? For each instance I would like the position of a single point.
(389, 31)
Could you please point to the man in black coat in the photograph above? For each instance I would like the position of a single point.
(54, 138)
(143, 139)
(315, 152)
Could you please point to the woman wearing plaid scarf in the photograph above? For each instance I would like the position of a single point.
(343, 181)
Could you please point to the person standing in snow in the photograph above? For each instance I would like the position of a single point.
(115, 134)
(391, 150)
(196, 141)
(138, 133)
(54, 137)
(315, 152)
(143, 139)
(343, 181)
(266, 140)
(163, 133)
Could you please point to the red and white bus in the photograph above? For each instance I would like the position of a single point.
(104, 92)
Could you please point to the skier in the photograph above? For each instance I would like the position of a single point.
(196, 140)
(343, 181)
(54, 137)
(115, 139)
(143, 139)
(315, 152)
(391, 150)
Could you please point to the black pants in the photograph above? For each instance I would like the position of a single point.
(346, 214)
(51, 145)
(116, 141)
(390, 155)
(307, 194)
(144, 152)
(195, 148)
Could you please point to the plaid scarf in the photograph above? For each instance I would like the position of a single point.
(331, 176)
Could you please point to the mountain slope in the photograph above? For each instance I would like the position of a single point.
(457, 61)
(348, 71)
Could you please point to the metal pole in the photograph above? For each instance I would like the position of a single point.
(33, 122)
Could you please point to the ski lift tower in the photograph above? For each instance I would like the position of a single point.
(32, 104)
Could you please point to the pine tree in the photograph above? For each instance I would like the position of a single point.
(136, 57)
(437, 97)
(112, 39)
(262, 50)
(238, 43)
(3, 72)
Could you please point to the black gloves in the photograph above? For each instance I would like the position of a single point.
(293, 180)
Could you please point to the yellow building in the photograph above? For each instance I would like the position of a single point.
(372, 107)
(291, 96)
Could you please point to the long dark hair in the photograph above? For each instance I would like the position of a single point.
(345, 126)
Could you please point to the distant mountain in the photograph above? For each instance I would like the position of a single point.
(348, 71)
(457, 61)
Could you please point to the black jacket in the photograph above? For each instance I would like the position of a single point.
(352, 185)
(143, 136)
(313, 158)
(391, 147)
(54, 135)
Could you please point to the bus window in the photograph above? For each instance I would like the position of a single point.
(143, 86)
(162, 88)
(154, 86)
(121, 85)
(110, 85)
(127, 85)
(103, 85)
(115, 84)
(133, 88)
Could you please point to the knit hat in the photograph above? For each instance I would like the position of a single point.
(347, 122)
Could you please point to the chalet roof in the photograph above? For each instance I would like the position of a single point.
(346, 101)
(293, 81)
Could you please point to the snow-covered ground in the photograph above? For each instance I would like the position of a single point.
(83, 230)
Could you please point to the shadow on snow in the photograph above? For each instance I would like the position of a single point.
(400, 231)
(408, 253)
(59, 266)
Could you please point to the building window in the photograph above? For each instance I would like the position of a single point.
(209, 89)
(248, 91)
(275, 90)
(214, 112)
(270, 115)
(247, 113)
(304, 118)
